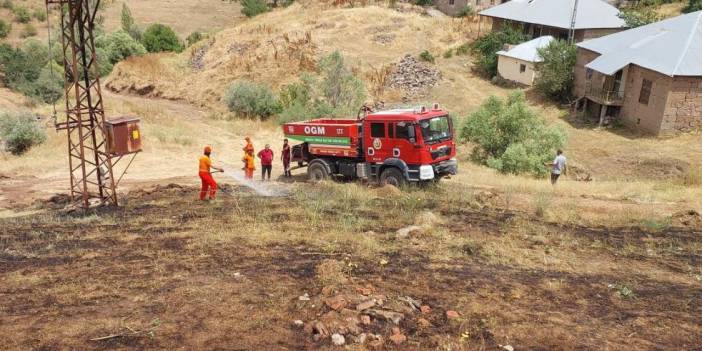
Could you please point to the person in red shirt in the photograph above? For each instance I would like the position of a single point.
(285, 157)
(266, 156)
(208, 183)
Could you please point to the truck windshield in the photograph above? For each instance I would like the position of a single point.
(435, 129)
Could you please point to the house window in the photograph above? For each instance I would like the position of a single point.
(645, 91)
(522, 68)
(588, 74)
(452, 2)
(377, 130)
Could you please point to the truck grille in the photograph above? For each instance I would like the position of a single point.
(440, 153)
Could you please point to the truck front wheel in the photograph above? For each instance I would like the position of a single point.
(316, 172)
(392, 176)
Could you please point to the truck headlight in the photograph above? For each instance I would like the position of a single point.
(426, 172)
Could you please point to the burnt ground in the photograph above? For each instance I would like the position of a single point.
(152, 275)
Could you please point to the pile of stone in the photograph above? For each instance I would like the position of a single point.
(361, 315)
(414, 78)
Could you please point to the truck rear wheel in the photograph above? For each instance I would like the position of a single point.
(392, 176)
(316, 172)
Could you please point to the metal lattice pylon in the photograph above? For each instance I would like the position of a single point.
(90, 164)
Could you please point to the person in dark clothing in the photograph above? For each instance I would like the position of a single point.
(266, 156)
(285, 157)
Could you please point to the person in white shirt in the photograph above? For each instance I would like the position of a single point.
(558, 166)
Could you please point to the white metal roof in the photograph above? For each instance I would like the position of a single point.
(558, 13)
(672, 47)
(528, 51)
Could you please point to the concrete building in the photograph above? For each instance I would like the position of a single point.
(517, 64)
(594, 18)
(649, 78)
(453, 7)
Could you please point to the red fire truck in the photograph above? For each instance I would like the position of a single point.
(391, 147)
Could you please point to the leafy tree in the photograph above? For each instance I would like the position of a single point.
(555, 74)
(335, 91)
(22, 15)
(5, 28)
(511, 137)
(251, 100)
(20, 131)
(49, 86)
(423, 2)
(692, 6)
(487, 47)
(251, 8)
(341, 90)
(159, 37)
(637, 16)
(129, 25)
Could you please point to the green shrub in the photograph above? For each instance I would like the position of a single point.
(637, 16)
(28, 31)
(464, 49)
(49, 86)
(126, 19)
(20, 131)
(40, 15)
(511, 137)
(555, 74)
(487, 47)
(692, 6)
(7, 4)
(251, 8)
(448, 54)
(466, 11)
(250, 100)
(159, 37)
(193, 38)
(426, 56)
(119, 45)
(423, 2)
(22, 15)
(5, 28)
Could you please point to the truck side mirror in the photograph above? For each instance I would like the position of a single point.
(412, 134)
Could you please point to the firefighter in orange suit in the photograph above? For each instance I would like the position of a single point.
(207, 181)
(249, 164)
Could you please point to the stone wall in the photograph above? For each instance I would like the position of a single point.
(645, 117)
(683, 109)
(583, 57)
(586, 34)
(446, 7)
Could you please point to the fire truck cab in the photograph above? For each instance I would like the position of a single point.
(391, 147)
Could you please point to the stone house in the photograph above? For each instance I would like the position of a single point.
(453, 7)
(518, 63)
(649, 78)
(593, 19)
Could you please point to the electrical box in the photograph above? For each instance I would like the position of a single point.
(123, 135)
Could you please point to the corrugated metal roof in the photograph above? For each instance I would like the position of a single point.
(672, 47)
(558, 13)
(528, 51)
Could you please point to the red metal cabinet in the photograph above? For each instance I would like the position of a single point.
(123, 135)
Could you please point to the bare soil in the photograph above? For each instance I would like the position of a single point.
(150, 275)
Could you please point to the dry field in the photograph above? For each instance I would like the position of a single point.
(167, 272)
(614, 263)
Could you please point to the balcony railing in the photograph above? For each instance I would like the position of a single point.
(605, 97)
